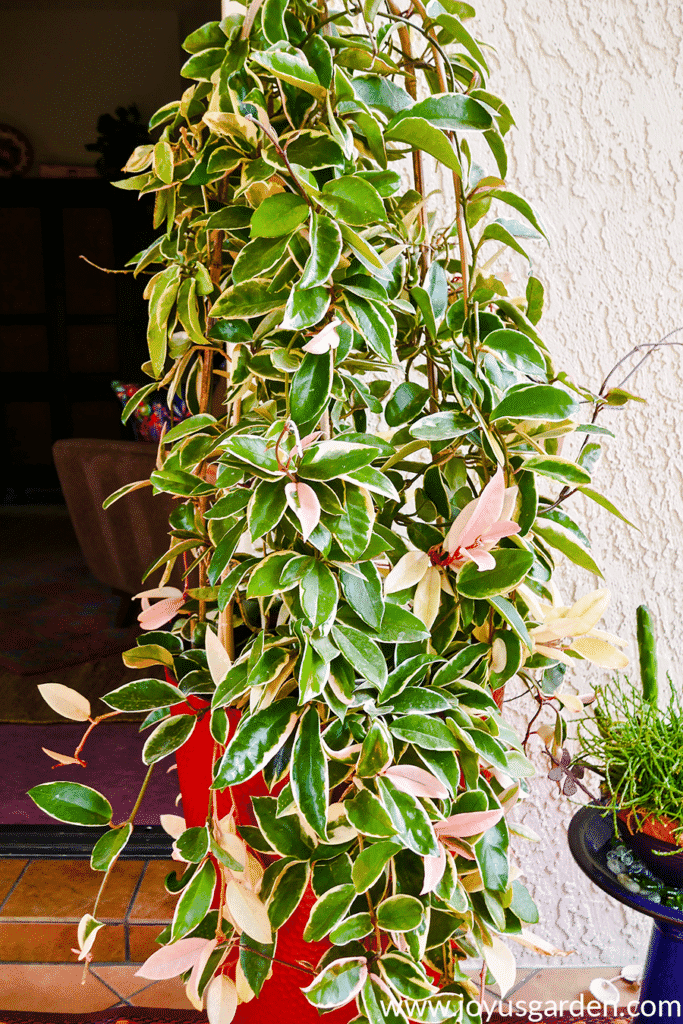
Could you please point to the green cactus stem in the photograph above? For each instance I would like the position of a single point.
(647, 653)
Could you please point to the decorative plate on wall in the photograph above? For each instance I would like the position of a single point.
(16, 152)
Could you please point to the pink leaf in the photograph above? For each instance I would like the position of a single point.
(303, 500)
(416, 781)
(470, 823)
(62, 758)
(434, 870)
(156, 615)
(198, 970)
(170, 961)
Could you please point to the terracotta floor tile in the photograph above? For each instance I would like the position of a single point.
(142, 941)
(34, 942)
(122, 979)
(166, 995)
(51, 988)
(67, 889)
(568, 983)
(9, 872)
(152, 902)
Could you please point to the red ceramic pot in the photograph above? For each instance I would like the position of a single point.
(281, 998)
(654, 841)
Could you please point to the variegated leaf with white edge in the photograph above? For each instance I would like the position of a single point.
(65, 701)
(534, 942)
(501, 963)
(304, 502)
(428, 597)
(88, 927)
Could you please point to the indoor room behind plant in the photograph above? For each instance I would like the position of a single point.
(351, 602)
(635, 745)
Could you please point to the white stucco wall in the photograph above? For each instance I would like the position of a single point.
(596, 92)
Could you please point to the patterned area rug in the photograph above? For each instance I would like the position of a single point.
(133, 1014)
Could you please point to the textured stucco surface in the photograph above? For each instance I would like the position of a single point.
(596, 92)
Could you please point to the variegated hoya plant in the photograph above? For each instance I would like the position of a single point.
(369, 507)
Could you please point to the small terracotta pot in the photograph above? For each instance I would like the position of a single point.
(649, 838)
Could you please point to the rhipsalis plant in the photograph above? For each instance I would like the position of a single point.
(370, 492)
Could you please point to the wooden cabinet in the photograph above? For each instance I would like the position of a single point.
(66, 329)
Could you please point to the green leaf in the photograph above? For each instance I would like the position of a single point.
(287, 892)
(308, 771)
(377, 750)
(522, 905)
(268, 667)
(422, 731)
(371, 324)
(162, 292)
(362, 653)
(256, 742)
(513, 618)
(143, 695)
(353, 928)
(600, 499)
(399, 914)
(410, 819)
(257, 258)
(278, 215)
(368, 816)
(224, 551)
(353, 529)
(202, 65)
(230, 505)
(450, 111)
(284, 833)
(511, 568)
(109, 846)
(202, 38)
(442, 426)
(318, 594)
(195, 901)
(406, 403)
(329, 459)
(364, 593)
(534, 300)
(305, 308)
(292, 68)
(353, 200)
(372, 480)
(371, 862)
(255, 960)
(248, 299)
(337, 984)
(193, 844)
(491, 852)
(557, 469)
(517, 350)
(326, 249)
(381, 93)
(163, 162)
(167, 737)
(560, 539)
(498, 233)
(265, 578)
(328, 911)
(146, 655)
(536, 402)
(519, 204)
(418, 133)
(405, 976)
(311, 389)
(267, 507)
(72, 802)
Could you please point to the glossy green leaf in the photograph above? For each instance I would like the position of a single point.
(513, 618)
(265, 578)
(350, 930)
(163, 162)
(519, 204)
(450, 111)
(278, 215)
(292, 68)
(267, 507)
(562, 540)
(517, 350)
(305, 307)
(255, 960)
(72, 802)
(143, 695)
(422, 731)
(491, 852)
(337, 984)
(311, 388)
(195, 901)
(600, 499)
(256, 742)
(330, 459)
(442, 426)
(268, 666)
(536, 402)
(318, 589)
(167, 737)
(257, 258)
(109, 846)
(248, 299)
(377, 750)
(193, 844)
(353, 200)
(362, 653)
(372, 323)
(511, 568)
(556, 468)
(287, 892)
(354, 528)
(418, 133)
(327, 911)
(326, 248)
(283, 832)
(410, 819)
(497, 232)
(406, 403)
(367, 815)
(309, 772)
(399, 914)
(371, 862)
(202, 65)
(364, 593)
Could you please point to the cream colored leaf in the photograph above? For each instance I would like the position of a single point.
(221, 1000)
(537, 944)
(217, 657)
(408, 571)
(599, 652)
(428, 597)
(248, 912)
(62, 758)
(244, 990)
(232, 845)
(65, 701)
(570, 701)
(498, 655)
(173, 824)
(501, 964)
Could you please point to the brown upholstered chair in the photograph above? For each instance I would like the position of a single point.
(119, 543)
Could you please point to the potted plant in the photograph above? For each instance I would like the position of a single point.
(634, 745)
(368, 474)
